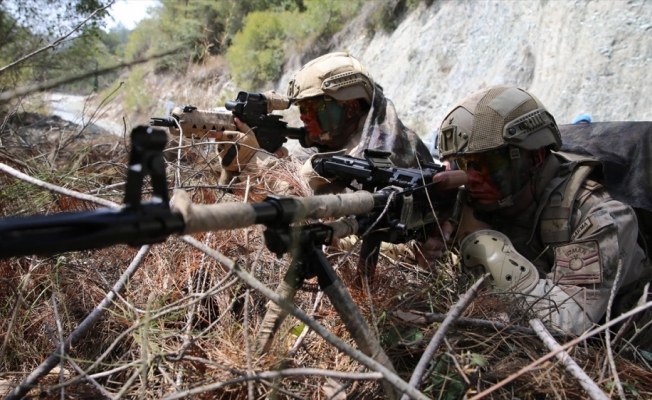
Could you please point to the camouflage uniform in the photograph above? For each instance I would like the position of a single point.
(577, 261)
(342, 77)
(562, 252)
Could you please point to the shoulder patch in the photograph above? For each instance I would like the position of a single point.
(584, 226)
(578, 263)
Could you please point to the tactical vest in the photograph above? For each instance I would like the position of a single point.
(560, 195)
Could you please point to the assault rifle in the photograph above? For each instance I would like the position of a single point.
(399, 206)
(254, 109)
(412, 214)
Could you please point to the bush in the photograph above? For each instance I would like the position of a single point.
(257, 54)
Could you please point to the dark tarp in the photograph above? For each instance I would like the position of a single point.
(625, 151)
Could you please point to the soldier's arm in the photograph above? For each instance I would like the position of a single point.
(575, 294)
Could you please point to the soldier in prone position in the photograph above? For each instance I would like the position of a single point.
(343, 111)
(540, 221)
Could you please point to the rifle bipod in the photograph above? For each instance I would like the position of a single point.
(308, 260)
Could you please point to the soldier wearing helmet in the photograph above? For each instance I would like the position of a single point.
(539, 220)
(344, 110)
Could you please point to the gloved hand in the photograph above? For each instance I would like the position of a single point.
(318, 183)
(433, 249)
(440, 238)
(239, 147)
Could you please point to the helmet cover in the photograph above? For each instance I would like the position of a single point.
(497, 117)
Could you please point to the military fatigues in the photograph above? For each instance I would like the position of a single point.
(379, 129)
(577, 237)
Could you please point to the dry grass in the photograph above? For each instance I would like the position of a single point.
(180, 324)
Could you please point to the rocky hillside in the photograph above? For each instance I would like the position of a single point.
(576, 56)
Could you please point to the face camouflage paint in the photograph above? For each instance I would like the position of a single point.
(326, 111)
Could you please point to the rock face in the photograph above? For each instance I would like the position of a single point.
(576, 56)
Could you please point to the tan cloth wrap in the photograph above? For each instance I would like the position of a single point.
(200, 122)
(276, 101)
(203, 218)
(334, 205)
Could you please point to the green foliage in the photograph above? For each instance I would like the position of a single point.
(137, 95)
(445, 383)
(402, 334)
(54, 18)
(258, 50)
(31, 24)
(256, 56)
(387, 14)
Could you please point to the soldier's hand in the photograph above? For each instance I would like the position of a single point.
(435, 247)
(237, 147)
(243, 129)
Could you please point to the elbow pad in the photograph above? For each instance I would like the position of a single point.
(494, 252)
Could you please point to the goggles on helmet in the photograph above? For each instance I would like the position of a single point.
(485, 163)
(325, 109)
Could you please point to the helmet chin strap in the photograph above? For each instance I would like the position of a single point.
(511, 199)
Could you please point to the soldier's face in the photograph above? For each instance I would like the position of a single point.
(320, 115)
(489, 175)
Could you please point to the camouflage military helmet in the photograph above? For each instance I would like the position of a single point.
(497, 117)
(338, 75)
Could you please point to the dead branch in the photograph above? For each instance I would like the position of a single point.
(45, 367)
(482, 324)
(587, 383)
(57, 189)
(58, 41)
(254, 283)
(566, 346)
(278, 374)
(607, 333)
(25, 90)
(453, 314)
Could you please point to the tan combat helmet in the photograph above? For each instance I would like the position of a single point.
(496, 117)
(338, 75)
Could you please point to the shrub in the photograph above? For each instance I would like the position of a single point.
(257, 55)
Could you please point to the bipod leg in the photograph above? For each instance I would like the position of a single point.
(275, 315)
(350, 314)
(368, 259)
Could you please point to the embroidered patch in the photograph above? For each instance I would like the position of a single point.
(578, 263)
(584, 226)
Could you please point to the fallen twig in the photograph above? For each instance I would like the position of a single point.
(55, 188)
(276, 375)
(344, 347)
(45, 367)
(587, 383)
(453, 314)
(483, 324)
(607, 333)
(568, 345)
